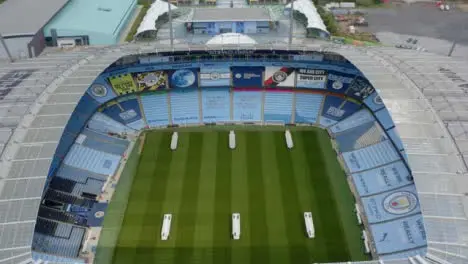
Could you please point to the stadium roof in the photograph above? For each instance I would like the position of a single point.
(306, 7)
(425, 93)
(38, 13)
(157, 9)
(230, 39)
(230, 14)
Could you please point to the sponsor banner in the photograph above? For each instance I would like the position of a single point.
(247, 106)
(339, 82)
(183, 78)
(382, 179)
(151, 81)
(399, 235)
(247, 76)
(279, 77)
(123, 84)
(215, 76)
(101, 91)
(336, 109)
(311, 78)
(374, 101)
(124, 111)
(391, 205)
(216, 105)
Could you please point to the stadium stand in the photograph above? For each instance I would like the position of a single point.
(185, 108)
(278, 107)
(89, 159)
(360, 137)
(155, 108)
(307, 107)
(215, 105)
(102, 142)
(370, 157)
(436, 176)
(247, 106)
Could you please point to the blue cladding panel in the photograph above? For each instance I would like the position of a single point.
(278, 107)
(125, 112)
(336, 109)
(185, 107)
(391, 205)
(398, 235)
(216, 105)
(155, 108)
(339, 82)
(374, 102)
(307, 107)
(384, 118)
(382, 179)
(395, 137)
(247, 106)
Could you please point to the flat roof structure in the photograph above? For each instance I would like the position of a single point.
(230, 14)
(425, 94)
(87, 17)
(26, 17)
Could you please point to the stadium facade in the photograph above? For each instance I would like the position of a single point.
(59, 106)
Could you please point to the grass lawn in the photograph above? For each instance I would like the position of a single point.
(203, 182)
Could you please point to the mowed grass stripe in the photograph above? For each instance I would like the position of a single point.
(129, 237)
(203, 238)
(240, 202)
(222, 203)
(257, 213)
(189, 203)
(327, 221)
(344, 199)
(166, 251)
(305, 191)
(277, 233)
(293, 213)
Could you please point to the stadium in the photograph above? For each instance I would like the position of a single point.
(377, 155)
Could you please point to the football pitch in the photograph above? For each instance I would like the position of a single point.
(203, 182)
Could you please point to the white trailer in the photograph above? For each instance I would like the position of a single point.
(166, 226)
(236, 226)
(232, 140)
(289, 141)
(309, 223)
(174, 140)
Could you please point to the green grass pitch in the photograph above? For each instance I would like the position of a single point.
(203, 182)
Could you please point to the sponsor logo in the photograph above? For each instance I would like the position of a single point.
(399, 203)
(99, 214)
(337, 85)
(128, 114)
(313, 78)
(378, 100)
(214, 76)
(279, 76)
(336, 112)
(238, 75)
(98, 90)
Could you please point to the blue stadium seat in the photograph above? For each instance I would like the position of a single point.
(359, 118)
(66, 241)
(278, 107)
(307, 107)
(104, 124)
(247, 106)
(155, 108)
(102, 142)
(38, 256)
(370, 157)
(216, 104)
(78, 175)
(360, 137)
(381, 179)
(185, 107)
(92, 160)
